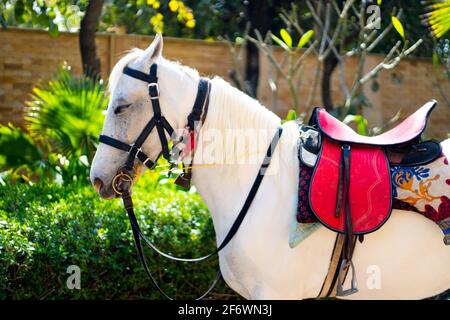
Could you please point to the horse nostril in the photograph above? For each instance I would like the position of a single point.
(98, 184)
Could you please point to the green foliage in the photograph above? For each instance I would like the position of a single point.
(438, 18)
(65, 116)
(18, 150)
(286, 37)
(291, 115)
(398, 26)
(51, 15)
(63, 119)
(148, 16)
(305, 38)
(286, 40)
(46, 228)
(361, 123)
(280, 42)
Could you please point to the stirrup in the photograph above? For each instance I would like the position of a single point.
(354, 288)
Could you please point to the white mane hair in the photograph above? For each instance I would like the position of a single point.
(231, 112)
(238, 116)
(234, 109)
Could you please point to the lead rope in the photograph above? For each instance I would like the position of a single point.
(138, 235)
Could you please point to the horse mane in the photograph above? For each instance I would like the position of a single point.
(117, 70)
(233, 112)
(230, 110)
(234, 109)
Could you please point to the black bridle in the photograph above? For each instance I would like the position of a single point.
(123, 179)
(158, 121)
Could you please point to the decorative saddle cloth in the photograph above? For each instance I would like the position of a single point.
(416, 184)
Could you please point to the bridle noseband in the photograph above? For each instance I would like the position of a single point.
(123, 179)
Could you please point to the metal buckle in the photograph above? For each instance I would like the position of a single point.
(145, 162)
(139, 150)
(118, 180)
(153, 84)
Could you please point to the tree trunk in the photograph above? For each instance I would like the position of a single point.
(261, 15)
(88, 49)
(329, 65)
(252, 69)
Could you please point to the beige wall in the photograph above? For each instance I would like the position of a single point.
(26, 56)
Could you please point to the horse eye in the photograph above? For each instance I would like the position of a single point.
(121, 108)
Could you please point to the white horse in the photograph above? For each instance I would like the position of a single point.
(405, 259)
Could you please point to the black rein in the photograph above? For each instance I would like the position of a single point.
(124, 177)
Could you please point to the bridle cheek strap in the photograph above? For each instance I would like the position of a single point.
(158, 121)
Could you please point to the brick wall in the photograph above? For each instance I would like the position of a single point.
(27, 56)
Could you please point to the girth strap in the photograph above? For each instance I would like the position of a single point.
(337, 270)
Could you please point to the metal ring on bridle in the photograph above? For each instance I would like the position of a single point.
(118, 179)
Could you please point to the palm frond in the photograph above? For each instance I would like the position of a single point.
(437, 17)
(67, 113)
(17, 150)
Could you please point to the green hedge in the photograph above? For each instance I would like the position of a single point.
(46, 228)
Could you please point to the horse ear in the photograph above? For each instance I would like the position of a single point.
(154, 50)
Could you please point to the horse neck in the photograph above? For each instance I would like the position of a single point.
(223, 172)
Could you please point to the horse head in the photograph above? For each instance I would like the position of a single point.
(130, 110)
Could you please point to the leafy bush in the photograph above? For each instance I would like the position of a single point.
(18, 151)
(64, 119)
(46, 228)
(66, 112)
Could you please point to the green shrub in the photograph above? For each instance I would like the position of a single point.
(46, 228)
(18, 152)
(64, 117)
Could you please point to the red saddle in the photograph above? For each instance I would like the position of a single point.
(350, 189)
